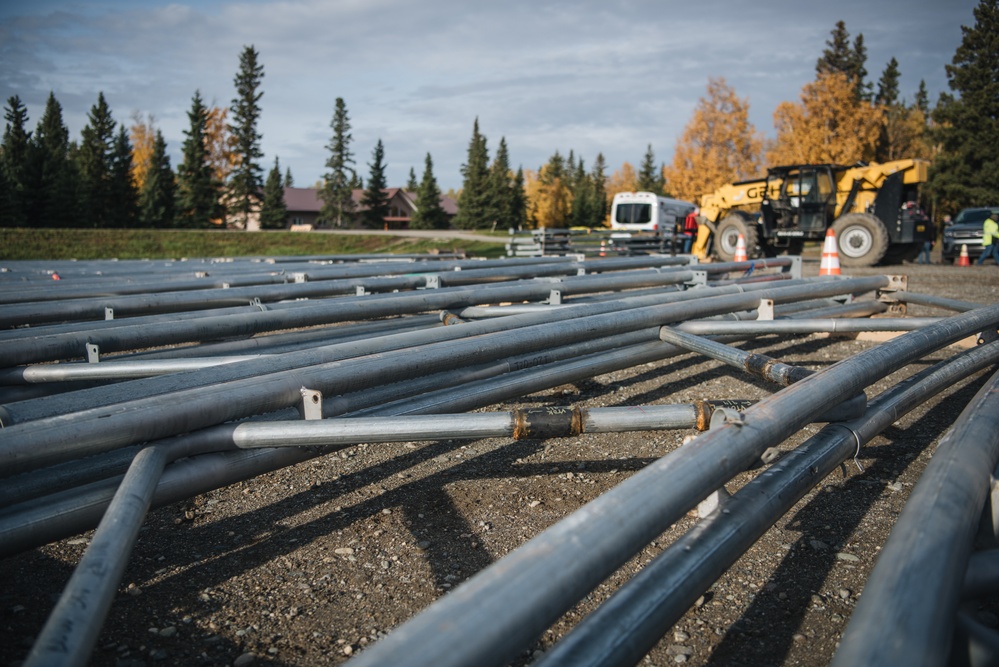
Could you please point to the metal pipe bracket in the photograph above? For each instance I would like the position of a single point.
(896, 283)
(311, 406)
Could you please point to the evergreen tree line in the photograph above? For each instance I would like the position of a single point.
(46, 180)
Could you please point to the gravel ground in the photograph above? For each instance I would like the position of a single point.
(308, 565)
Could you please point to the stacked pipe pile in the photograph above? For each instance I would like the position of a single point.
(127, 385)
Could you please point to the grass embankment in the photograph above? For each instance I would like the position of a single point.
(174, 244)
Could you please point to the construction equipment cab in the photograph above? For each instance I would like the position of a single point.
(648, 212)
(869, 207)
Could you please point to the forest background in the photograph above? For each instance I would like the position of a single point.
(118, 175)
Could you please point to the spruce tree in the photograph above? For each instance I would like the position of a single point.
(500, 188)
(650, 178)
(289, 182)
(473, 203)
(156, 200)
(14, 166)
(246, 180)
(518, 201)
(412, 185)
(55, 202)
(125, 211)
(598, 176)
(336, 193)
(376, 199)
(583, 203)
(428, 213)
(197, 191)
(888, 84)
(94, 160)
(840, 57)
(966, 171)
(922, 101)
(274, 212)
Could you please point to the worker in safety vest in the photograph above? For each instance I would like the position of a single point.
(990, 239)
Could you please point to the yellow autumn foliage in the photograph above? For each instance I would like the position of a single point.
(549, 201)
(719, 145)
(220, 144)
(142, 135)
(829, 125)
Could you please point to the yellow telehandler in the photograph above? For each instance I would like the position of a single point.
(872, 208)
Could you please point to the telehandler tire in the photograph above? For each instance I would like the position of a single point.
(862, 239)
(728, 236)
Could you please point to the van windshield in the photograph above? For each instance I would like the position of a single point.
(633, 214)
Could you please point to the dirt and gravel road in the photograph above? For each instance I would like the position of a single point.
(308, 565)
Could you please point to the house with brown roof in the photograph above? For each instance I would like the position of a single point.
(304, 204)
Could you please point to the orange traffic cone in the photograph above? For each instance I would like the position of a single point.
(963, 259)
(830, 256)
(740, 250)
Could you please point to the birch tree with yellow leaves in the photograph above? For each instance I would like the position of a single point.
(548, 195)
(142, 135)
(719, 145)
(829, 125)
(624, 179)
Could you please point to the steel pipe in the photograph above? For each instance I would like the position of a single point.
(804, 326)
(635, 617)
(912, 594)
(69, 634)
(45, 442)
(494, 615)
(532, 424)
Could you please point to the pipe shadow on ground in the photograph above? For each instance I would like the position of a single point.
(830, 520)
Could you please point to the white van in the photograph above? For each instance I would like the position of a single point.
(648, 212)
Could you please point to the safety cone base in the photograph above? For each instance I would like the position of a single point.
(963, 259)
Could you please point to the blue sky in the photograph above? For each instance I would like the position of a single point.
(593, 77)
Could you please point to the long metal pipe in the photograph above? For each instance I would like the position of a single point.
(47, 441)
(759, 365)
(118, 337)
(636, 616)
(519, 424)
(178, 301)
(494, 615)
(10, 414)
(69, 634)
(61, 521)
(805, 326)
(219, 275)
(906, 615)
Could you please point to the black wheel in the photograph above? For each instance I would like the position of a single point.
(728, 236)
(862, 239)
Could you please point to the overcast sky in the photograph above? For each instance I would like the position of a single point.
(594, 77)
